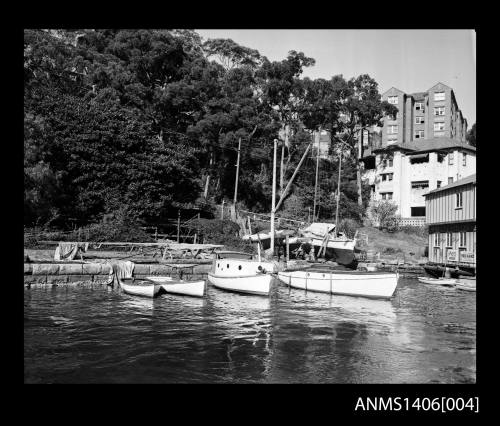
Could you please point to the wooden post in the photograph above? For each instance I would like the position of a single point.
(249, 226)
(222, 211)
(156, 233)
(178, 225)
(273, 201)
(237, 173)
(287, 249)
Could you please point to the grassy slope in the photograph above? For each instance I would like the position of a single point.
(401, 242)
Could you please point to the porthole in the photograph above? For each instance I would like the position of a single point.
(228, 266)
(239, 267)
(218, 265)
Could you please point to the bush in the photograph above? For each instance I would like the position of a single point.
(349, 227)
(383, 214)
(226, 232)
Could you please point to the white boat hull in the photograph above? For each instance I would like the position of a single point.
(438, 281)
(364, 284)
(186, 288)
(140, 290)
(252, 284)
(466, 284)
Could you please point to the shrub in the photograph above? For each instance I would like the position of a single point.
(383, 214)
(349, 227)
(226, 232)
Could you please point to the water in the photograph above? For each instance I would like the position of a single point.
(425, 334)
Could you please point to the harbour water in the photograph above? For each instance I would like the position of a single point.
(425, 334)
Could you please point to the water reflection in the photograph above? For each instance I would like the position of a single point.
(86, 335)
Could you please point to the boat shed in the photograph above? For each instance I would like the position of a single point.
(451, 217)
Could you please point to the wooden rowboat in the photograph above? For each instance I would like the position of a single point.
(186, 288)
(252, 284)
(138, 287)
(450, 282)
(379, 285)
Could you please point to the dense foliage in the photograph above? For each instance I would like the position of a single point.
(140, 122)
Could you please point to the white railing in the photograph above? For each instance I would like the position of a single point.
(412, 221)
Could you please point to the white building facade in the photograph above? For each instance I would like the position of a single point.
(404, 173)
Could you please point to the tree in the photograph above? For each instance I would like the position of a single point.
(471, 135)
(345, 109)
(281, 89)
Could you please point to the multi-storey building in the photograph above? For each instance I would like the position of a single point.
(422, 148)
(423, 115)
(451, 216)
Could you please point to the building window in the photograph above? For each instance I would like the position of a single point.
(449, 239)
(386, 176)
(438, 184)
(419, 134)
(390, 162)
(436, 239)
(392, 100)
(450, 158)
(419, 106)
(419, 120)
(392, 129)
(439, 110)
(439, 96)
(420, 184)
(450, 180)
(417, 211)
(438, 126)
(464, 158)
(458, 199)
(463, 239)
(386, 195)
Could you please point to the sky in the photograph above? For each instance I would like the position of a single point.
(410, 60)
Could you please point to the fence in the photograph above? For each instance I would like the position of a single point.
(412, 221)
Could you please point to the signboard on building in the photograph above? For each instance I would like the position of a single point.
(467, 256)
(451, 255)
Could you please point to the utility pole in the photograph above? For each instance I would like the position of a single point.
(237, 173)
(273, 201)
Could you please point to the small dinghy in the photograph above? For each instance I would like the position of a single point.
(174, 286)
(449, 282)
(466, 284)
(139, 287)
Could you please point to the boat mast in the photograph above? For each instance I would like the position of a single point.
(237, 173)
(338, 194)
(273, 202)
(317, 171)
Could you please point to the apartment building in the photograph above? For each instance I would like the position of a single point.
(421, 149)
(403, 173)
(423, 115)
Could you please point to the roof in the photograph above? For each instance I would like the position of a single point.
(432, 144)
(460, 182)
